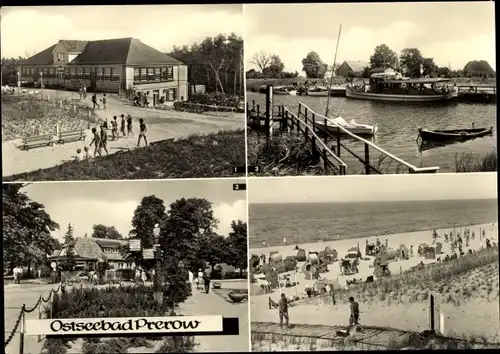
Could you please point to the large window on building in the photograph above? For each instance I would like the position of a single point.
(86, 73)
(107, 74)
(171, 94)
(144, 74)
(79, 73)
(99, 74)
(158, 74)
(137, 74)
(115, 74)
(151, 74)
(170, 73)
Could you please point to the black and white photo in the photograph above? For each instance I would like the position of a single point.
(152, 92)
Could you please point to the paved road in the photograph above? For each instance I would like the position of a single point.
(161, 125)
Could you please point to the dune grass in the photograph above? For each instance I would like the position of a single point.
(197, 156)
(473, 162)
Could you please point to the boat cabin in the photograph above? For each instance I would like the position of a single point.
(396, 84)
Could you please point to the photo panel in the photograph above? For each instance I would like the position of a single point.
(132, 266)
(337, 96)
(154, 92)
(388, 262)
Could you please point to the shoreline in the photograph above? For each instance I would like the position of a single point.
(410, 234)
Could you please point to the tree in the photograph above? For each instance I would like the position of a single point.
(410, 60)
(275, 68)
(238, 241)
(313, 66)
(27, 229)
(429, 67)
(382, 56)
(69, 262)
(444, 72)
(214, 249)
(149, 212)
(262, 60)
(9, 70)
(109, 232)
(216, 62)
(187, 223)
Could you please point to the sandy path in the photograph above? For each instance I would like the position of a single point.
(482, 317)
(161, 125)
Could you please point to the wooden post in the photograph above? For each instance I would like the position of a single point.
(314, 122)
(258, 114)
(299, 110)
(292, 121)
(269, 111)
(253, 104)
(367, 159)
(306, 133)
(298, 125)
(313, 144)
(342, 170)
(325, 135)
(305, 116)
(338, 145)
(325, 163)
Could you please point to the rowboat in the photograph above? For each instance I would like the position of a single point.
(283, 90)
(332, 126)
(318, 91)
(453, 134)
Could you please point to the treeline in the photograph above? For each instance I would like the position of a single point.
(216, 62)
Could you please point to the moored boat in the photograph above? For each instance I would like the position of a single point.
(283, 90)
(453, 134)
(332, 126)
(395, 88)
(318, 91)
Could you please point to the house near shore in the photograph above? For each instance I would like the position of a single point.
(350, 68)
(479, 68)
(388, 70)
(111, 65)
(87, 251)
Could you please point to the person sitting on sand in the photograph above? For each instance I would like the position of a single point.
(283, 310)
(79, 155)
(96, 140)
(142, 132)
(104, 139)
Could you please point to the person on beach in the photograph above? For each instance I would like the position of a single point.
(129, 126)
(104, 139)
(445, 237)
(122, 125)
(114, 128)
(354, 317)
(284, 241)
(378, 243)
(96, 140)
(283, 310)
(94, 101)
(104, 101)
(142, 133)
(484, 233)
(386, 243)
(411, 251)
(473, 236)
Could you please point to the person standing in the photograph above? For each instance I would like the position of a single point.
(84, 89)
(94, 101)
(96, 139)
(129, 126)
(142, 132)
(206, 277)
(283, 310)
(114, 128)
(104, 139)
(200, 278)
(104, 101)
(191, 279)
(122, 125)
(354, 318)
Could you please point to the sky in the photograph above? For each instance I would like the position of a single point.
(453, 186)
(84, 204)
(31, 29)
(452, 33)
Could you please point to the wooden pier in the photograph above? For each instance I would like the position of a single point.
(326, 146)
(477, 94)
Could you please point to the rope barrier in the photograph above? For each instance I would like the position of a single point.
(13, 332)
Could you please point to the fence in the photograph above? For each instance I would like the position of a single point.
(211, 110)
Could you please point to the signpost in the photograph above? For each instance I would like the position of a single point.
(148, 253)
(134, 245)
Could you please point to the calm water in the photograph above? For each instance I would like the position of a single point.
(313, 222)
(398, 125)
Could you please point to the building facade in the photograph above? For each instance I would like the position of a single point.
(352, 68)
(121, 65)
(87, 251)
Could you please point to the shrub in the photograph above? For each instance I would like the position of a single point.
(122, 301)
(472, 162)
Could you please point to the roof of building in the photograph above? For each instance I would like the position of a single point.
(42, 58)
(358, 65)
(107, 242)
(128, 51)
(92, 248)
(381, 70)
(479, 66)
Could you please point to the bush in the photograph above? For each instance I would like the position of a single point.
(217, 99)
(123, 301)
(472, 162)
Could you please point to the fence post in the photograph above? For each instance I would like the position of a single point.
(367, 159)
(313, 144)
(21, 332)
(299, 110)
(292, 121)
(342, 170)
(258, 114)
(306, 133)
(325, 131)
(305, 116)
(325, 163)
(338, 145)
(269, 111)
(314, 122)
(298, 125)
(253, 104)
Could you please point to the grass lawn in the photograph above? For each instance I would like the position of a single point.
(197, 156)
(26, 116)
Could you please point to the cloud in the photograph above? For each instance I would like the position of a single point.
(226, 213)
(33, 30)
(358, 43)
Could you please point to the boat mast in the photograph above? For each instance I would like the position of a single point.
(333, 72)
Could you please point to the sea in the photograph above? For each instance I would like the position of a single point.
(398, 125)
(316, 222)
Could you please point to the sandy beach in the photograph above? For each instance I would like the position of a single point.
(482, 315)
